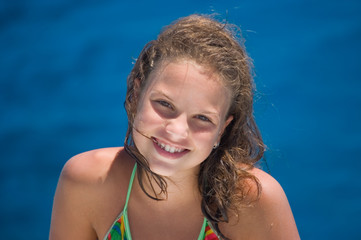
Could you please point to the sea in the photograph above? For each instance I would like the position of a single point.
(63, 75)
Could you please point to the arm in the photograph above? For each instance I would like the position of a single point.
(278, 220)
(71, 216)
(269, 218)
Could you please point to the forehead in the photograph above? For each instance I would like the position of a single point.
(185, 80)
(170, 67)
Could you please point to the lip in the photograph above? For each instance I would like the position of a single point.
(167, 154)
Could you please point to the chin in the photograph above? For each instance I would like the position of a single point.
(162, 168)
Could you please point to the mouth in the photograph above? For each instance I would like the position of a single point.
(169, 148)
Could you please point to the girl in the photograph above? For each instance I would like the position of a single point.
(186, 170)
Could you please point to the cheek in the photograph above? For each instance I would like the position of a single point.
(208, 136)
(146, 118)
(205, 141)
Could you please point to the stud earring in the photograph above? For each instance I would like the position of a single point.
(215, 145)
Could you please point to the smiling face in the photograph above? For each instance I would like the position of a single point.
(181, 115)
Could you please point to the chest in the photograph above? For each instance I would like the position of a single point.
(172, 224)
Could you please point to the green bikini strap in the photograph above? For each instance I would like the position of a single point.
(130, 186)
(202, 234)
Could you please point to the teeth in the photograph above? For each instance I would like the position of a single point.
(169, 148)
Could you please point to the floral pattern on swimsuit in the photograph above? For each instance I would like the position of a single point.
(118, 231)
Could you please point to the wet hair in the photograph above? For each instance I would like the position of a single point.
(224, 180)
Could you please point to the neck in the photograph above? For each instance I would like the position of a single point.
(181, 189)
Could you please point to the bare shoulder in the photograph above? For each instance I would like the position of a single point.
(270, 217)
(271, 189)
(90, 167)
(86, 187)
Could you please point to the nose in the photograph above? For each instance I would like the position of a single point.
(177, 127)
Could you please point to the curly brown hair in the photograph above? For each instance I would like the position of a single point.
(224, 177)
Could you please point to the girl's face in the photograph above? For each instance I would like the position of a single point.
(181, 115)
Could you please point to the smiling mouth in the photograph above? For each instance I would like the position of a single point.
(168, 148)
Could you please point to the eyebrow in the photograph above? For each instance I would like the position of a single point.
(161, 93)
(210, 113)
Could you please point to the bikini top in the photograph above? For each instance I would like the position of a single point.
(120, 229)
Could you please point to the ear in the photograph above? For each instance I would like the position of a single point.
(226, 123)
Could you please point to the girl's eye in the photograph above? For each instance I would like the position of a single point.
(203, 118)
(165, 104)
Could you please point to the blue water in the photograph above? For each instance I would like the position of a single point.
(62, 85)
